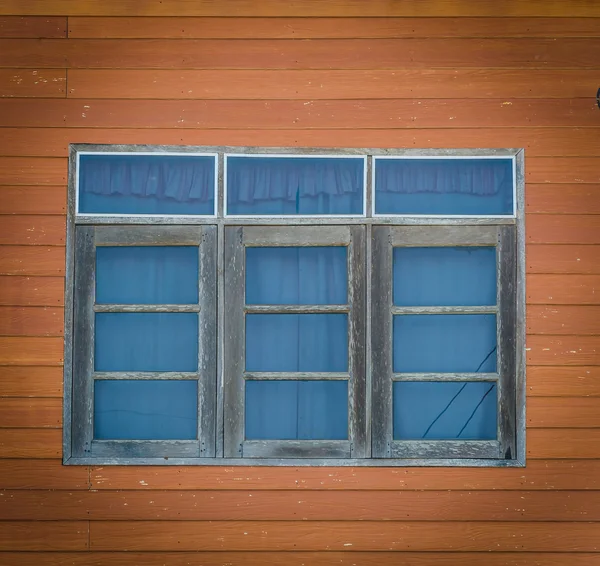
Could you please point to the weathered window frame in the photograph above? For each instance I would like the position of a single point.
(227, 452)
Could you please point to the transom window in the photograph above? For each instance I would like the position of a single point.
(300, 307)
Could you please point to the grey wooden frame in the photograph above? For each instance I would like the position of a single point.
(385, 239)
(237, 239)
(87, 240)
(74, 221)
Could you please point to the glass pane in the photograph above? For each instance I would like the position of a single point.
(444, 186)
(296, 276)
(468, 275)
(146, 342)
(296, 410)
(146, 184)
(147, 275)
(445, 343)
(145, 410)
(297, 342)
(295, 185)
(443, 411)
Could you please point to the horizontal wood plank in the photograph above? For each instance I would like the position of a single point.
(36, 381)
(330, 84)
(31, 321)
(302, 8)
(538, 475)
(16, 290)
(38, 27)
(45, 536)
(562, 199)
(33, 230)
(547, 170)
(30, 413)
(309, 114)
(27, 443)
(538, 142)
(326, 28)
(563, 443)
(563, 228)
(32, 260)
(561, 350)
(33, 200)
(564, 259)
(41, 474)
(309, 506)
(332, 535)
(569, 412)
(26, 351)
(562, 381)
(563, 289)
(413, 53)
(560, 319)
(45, 83)
(33, 171)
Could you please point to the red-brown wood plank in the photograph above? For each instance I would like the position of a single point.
(41, 474)
(563, 443)
(560, 319)
(565, 259)
(331, 535)
(33, 230)
(31, 413)
(537, 475)
(561, 350)
(331, 84)
(32, 260)
(16, 290)
(28, 443)
(37, 27)
(563, 289)
(26, 351)
(33, 200)
(44, 83)
(31, 321)
(569, 412)
(563, 228)
(562, 199)
(300, 115)
(329, 28)
(33, 171)
(47, 535)
(547, 170)
(28, 381)
(561, 381)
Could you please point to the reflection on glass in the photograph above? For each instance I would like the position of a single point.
(297, 342)
(147, 275)
(294, 185)
(445, 410)
(296, 410)
(145, 410)
(296, 275)
(445, 343)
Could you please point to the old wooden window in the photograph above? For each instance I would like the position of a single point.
(342, 307)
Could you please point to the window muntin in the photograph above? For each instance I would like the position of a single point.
(509, 411)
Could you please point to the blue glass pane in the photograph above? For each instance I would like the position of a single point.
(296, 410)
(147, 275)
(297, 342)
(145, 410)
(445, 276)
(304, 276)
(444, 186)
(146, 342)
(444, 411)
(294, 185)
(445, 343)
(146, 184)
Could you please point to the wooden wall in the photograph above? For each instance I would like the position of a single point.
(382, 73)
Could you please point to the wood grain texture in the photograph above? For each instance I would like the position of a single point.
(563, 228)
(31, 291)
(320, 114)
(299, 558)
(26, 351)
(31, 321)
(41, 474)
(45, 536)
(32, 260)
(332, 535)
(33, 200)
(563, 350)
(33, 230)
(578, 170)
(45, 83)
(303, 8)
(30, 413)
(538, 142)
(563, 199)
(563, 443)
(35, 27)
(569, 412)
(36, 381)
(227, 506)
(560, 319)
(330, 84)
(33, 171)
(326, 28)
(565, 259)
(563, 289)
(28, 443)
(561, 381)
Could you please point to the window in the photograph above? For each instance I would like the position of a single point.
(272, 306)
